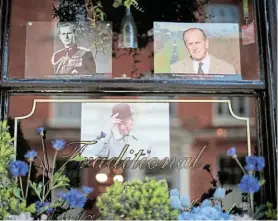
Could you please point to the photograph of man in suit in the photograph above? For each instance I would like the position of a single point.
(72, 59)
(200, 60)
(121, 132)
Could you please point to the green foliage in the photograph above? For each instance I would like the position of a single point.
(10, 199)
(127, 3)
(270, 213)
(137, 200)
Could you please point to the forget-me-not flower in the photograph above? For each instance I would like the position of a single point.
(231, 152)
(40, 131)
(30, 155)
(18, 168)
(76, 199)
(58, 144)
(249, 184)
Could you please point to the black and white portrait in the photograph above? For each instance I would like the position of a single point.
(68, 50)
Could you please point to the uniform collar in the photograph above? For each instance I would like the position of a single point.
(71, 50)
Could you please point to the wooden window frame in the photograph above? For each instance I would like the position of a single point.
(264, 90)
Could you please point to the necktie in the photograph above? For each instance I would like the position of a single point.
(200, 70)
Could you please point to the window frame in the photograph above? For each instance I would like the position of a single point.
(264, 90)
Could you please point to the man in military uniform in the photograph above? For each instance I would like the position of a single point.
(120, 134)
(72, 59)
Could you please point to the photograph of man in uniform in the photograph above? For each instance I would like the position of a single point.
(72, 59)
(200, 61)
(125, 127)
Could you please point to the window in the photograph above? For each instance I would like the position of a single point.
(27, 64)
(240, 107)
(219, 13)
(230, 166)
(65, 114)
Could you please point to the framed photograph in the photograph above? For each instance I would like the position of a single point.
(68, 50)
(197, 50)
(123, 124)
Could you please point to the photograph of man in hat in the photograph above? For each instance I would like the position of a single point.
(72, 59)
(121, 132)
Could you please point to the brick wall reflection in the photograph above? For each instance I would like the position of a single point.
(123, 62)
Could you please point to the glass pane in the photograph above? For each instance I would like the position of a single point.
(180, 128)
(147, 40)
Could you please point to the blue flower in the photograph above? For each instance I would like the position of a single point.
(206, 203)
(204, 212)
(209, 212)
(87, 190)
(30, 155)
(174, 192)
(43, 207)
(254, 163)
(251, 162)
(40, 131)
(219, 194)
(260, 163)
(175, 203)
(102, 135)
(185, 201)
(62, 196)
(249, 184)
(18, 168)
(186, 216)
(231, 152)
(58, 144)
(76, 199)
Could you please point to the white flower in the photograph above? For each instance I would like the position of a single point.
(43, 217)
(21, 216)
(244, 217)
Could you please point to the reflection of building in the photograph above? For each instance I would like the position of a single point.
(192, 126)
(231, 11)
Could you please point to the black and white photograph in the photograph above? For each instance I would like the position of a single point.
(120, 124)
(71, 50)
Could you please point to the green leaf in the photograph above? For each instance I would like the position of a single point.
(36, 187)
(117, 3)
(60, 179)
(31, 208)
(128, 3)
(16, 192)
(78, 158)
(262, 182)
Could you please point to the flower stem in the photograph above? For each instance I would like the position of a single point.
(240, 165)
(53, 167)
(43, 186)
(21, 187)
(45, 154)
(52, 175)
(29, 174)
(71, 157)
(252, 204)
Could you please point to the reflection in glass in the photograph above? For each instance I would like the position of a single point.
(22, 40)
(193, 126)
(128, 34)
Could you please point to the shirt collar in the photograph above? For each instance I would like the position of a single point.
(131, 134)
(205, 60)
